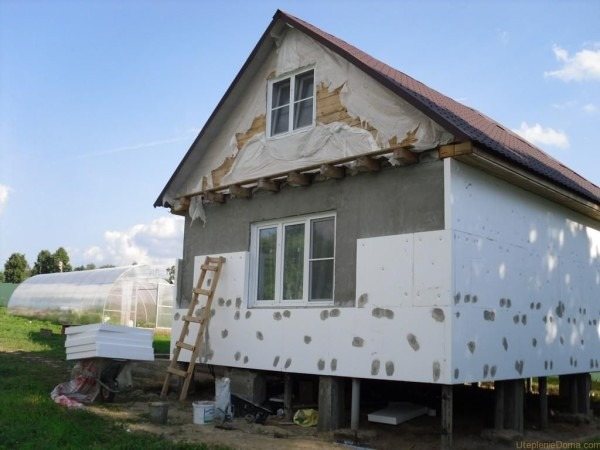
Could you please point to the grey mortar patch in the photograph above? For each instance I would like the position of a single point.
(456, 373)
(363, 300)
(475, 299)
(551, 365)
(245, 359)
(377, 312)
(237, 356)
(388, 313)
(333, 365)
(238, 302)
(357, 341)
(288, 363)
(516, 318)
(277, 315)
(307, 339)
(524, 319)
(489, 315)
(276, 361)
(325, 314)
(221, 301)
(437, 370)
(534, 342)
(471, 346)
(457, 298)
(321, 364)
(259, 336)
(375, 367)
(538, 305)
(457, 314)
(591, 363)
(248, 314)
(560, 309)
(468, 298)
(200, 312)
(508, 303)
(519, 366)
(334, 312)
(531, 305)
(389, 368)
(224, 333)
(505, 343)
(413, 342)
(546, 365)
(228, 302)
(287, 314)
(545, 319)
(236, 316)
(176, 316)
(562, 341)
(486, 369)
(502, 302)
(208, 281)
(438, 314)
(493, 371)
(212, 312)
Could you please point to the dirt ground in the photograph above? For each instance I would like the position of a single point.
(470, 425)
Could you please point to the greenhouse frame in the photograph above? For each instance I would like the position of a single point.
(136, 296)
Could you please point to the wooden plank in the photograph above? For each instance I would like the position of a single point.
(264, 184)
(202, 291)
(178, 372)
(214, 197)
(238, 191)
(297, 179)
(447, 412)
(193, 319)
(330, 171)
(185, 346)
(208, 267)
(405, 157)
(456, 149)
(367, 164)
(543, 393)
(288, 386)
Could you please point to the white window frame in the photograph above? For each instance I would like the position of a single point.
(253, 266)
(292, 77)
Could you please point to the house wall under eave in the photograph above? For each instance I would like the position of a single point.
(526, 281)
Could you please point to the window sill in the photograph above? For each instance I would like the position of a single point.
(291, 133)
(290, 305)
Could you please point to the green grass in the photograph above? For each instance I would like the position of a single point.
(30, 366)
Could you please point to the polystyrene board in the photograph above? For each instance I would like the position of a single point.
(82, 339)
(107, 328)
(88, 347)
(397, 413)
(104, 351)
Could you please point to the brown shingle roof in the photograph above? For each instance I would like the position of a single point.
(464, 122)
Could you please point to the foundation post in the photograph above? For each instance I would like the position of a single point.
(331, 403)
(543, 392)
(355, 407)
(288, 385)
(499, 406)
(572, 385)
(584, 385)
(447, 397)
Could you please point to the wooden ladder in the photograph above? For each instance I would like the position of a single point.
(213, 265)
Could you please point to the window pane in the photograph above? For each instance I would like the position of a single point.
(303, 112)
(321, 280)
(280, 120)
(267, 248)
(293, 262)
(322, 238)
(304, 86)
(281, 93)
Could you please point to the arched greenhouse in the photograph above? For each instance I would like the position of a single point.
(139, 296)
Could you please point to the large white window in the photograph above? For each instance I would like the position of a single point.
(293, 261)
(291, 103)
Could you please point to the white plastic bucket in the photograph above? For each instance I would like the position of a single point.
(204, 412)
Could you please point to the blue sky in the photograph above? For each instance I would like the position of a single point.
(100, 100)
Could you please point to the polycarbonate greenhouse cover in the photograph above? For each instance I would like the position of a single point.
(134, 296)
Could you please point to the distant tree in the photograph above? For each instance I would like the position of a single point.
(16, 269)
(78, 268)
(61, 255)
(44, 263)
(107, 266)
(90, 266)
(1, 277)
(171, 274)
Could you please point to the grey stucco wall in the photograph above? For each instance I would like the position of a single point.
(393, 201)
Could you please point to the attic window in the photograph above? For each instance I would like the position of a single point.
(291, 103)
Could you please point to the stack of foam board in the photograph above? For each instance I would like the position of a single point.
(101, 340)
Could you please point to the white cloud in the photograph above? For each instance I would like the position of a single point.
(583, 65)
(590, 108)
(157, 242)
(539, 135)
(4, 191)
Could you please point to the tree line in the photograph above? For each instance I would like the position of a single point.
(17, 270)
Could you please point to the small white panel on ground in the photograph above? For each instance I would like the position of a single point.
(397, 413)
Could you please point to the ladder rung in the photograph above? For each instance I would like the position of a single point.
(193, 319)
(207, 267)
(202, 291)
(217, 260)
(185, 346)
(178, 372)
